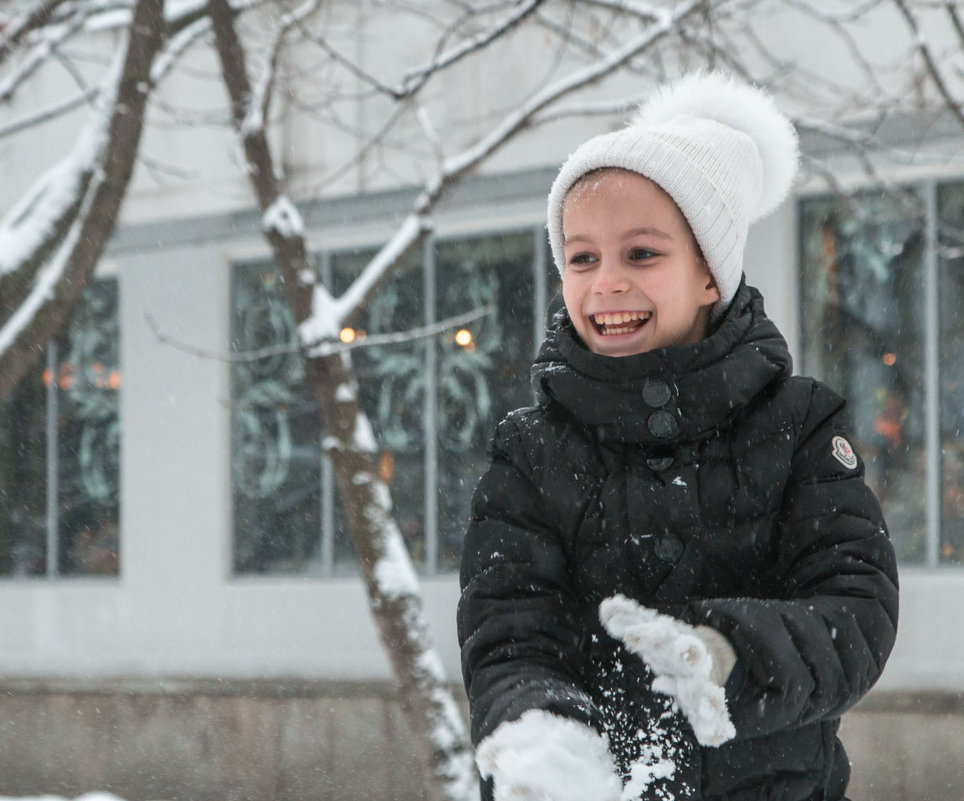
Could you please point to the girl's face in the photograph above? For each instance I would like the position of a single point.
(634, 278)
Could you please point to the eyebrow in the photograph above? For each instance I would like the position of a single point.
(644, 231)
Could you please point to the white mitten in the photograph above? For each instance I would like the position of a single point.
(683, 664)
(545, 757)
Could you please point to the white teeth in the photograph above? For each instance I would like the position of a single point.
(610, 319)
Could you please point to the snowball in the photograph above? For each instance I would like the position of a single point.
(542, 755)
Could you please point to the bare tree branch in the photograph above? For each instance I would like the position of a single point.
(261, 95)
(38, 54)
(287, 243)
(415, 79)
(31, 20)
(330, 313)
(956, 22)
(327, 348)
(59, 284)
(930, 61)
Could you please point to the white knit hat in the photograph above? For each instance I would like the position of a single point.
(719, 148)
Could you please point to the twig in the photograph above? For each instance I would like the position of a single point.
(322, 348)
(930, 61)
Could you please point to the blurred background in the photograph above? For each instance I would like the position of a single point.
(238, 242)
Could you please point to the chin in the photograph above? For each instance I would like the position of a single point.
(619, 349)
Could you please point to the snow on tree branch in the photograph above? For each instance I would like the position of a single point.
(41, 292)
(107, 151)
(603, 108)
(176, 46)
(178, 14)
(35, 224)
(30, 20)
(261, 92)
(663, 24)
(53, 37)
(329, 314)
(413, 80)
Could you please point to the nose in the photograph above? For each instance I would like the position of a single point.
(610, 276)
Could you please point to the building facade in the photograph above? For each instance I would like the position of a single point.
(171, 543)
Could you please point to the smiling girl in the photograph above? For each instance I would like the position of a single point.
(674, 579)
(632, 287)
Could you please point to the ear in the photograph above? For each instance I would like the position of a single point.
(711, 292)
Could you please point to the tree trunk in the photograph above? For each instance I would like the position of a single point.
(392, 586)
(447, 766)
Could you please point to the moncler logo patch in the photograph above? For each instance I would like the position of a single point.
(843, 453)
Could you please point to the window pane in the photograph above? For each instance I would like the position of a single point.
(275, 436)
(23, 481)
(280, 482)
(392, 383)
(88, 436)
(482, 378)
(81, 392)
(951, 283)
(863, 327)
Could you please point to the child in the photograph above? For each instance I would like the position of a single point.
(675, 579)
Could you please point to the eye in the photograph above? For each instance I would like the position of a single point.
(581, 260)
(641, 254)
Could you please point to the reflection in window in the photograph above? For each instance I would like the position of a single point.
(482, 377)
(275, 434)
(393, 386)
(951, 339)
(59, 451)
(432, 402)
(863, 333)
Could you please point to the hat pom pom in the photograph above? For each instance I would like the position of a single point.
(718, 97)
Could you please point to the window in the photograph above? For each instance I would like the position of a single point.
(877, 329)
(60, 449)
(432, 402)
(950, 282)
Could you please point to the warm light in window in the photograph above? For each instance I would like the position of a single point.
(890, 359)
(386, 467)
(464, 338)
(347, 335)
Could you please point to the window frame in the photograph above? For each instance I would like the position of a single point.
(930, 265)
(327, 565)
(50, 365)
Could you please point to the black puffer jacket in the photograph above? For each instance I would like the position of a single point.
(708, 483)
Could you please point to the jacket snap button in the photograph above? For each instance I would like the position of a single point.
(656, 392)
(658, 463)
(662, 424)
(669, 548)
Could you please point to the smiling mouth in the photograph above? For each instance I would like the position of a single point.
(610, 324)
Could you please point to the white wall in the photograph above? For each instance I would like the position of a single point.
(175, 608)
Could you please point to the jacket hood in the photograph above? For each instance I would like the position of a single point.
(666, 395)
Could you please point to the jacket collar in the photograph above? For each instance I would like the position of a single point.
(667, 395)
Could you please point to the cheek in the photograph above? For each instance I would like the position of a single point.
(571, 294)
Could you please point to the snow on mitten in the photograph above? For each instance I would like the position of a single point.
(545, 757)
(678, 655)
